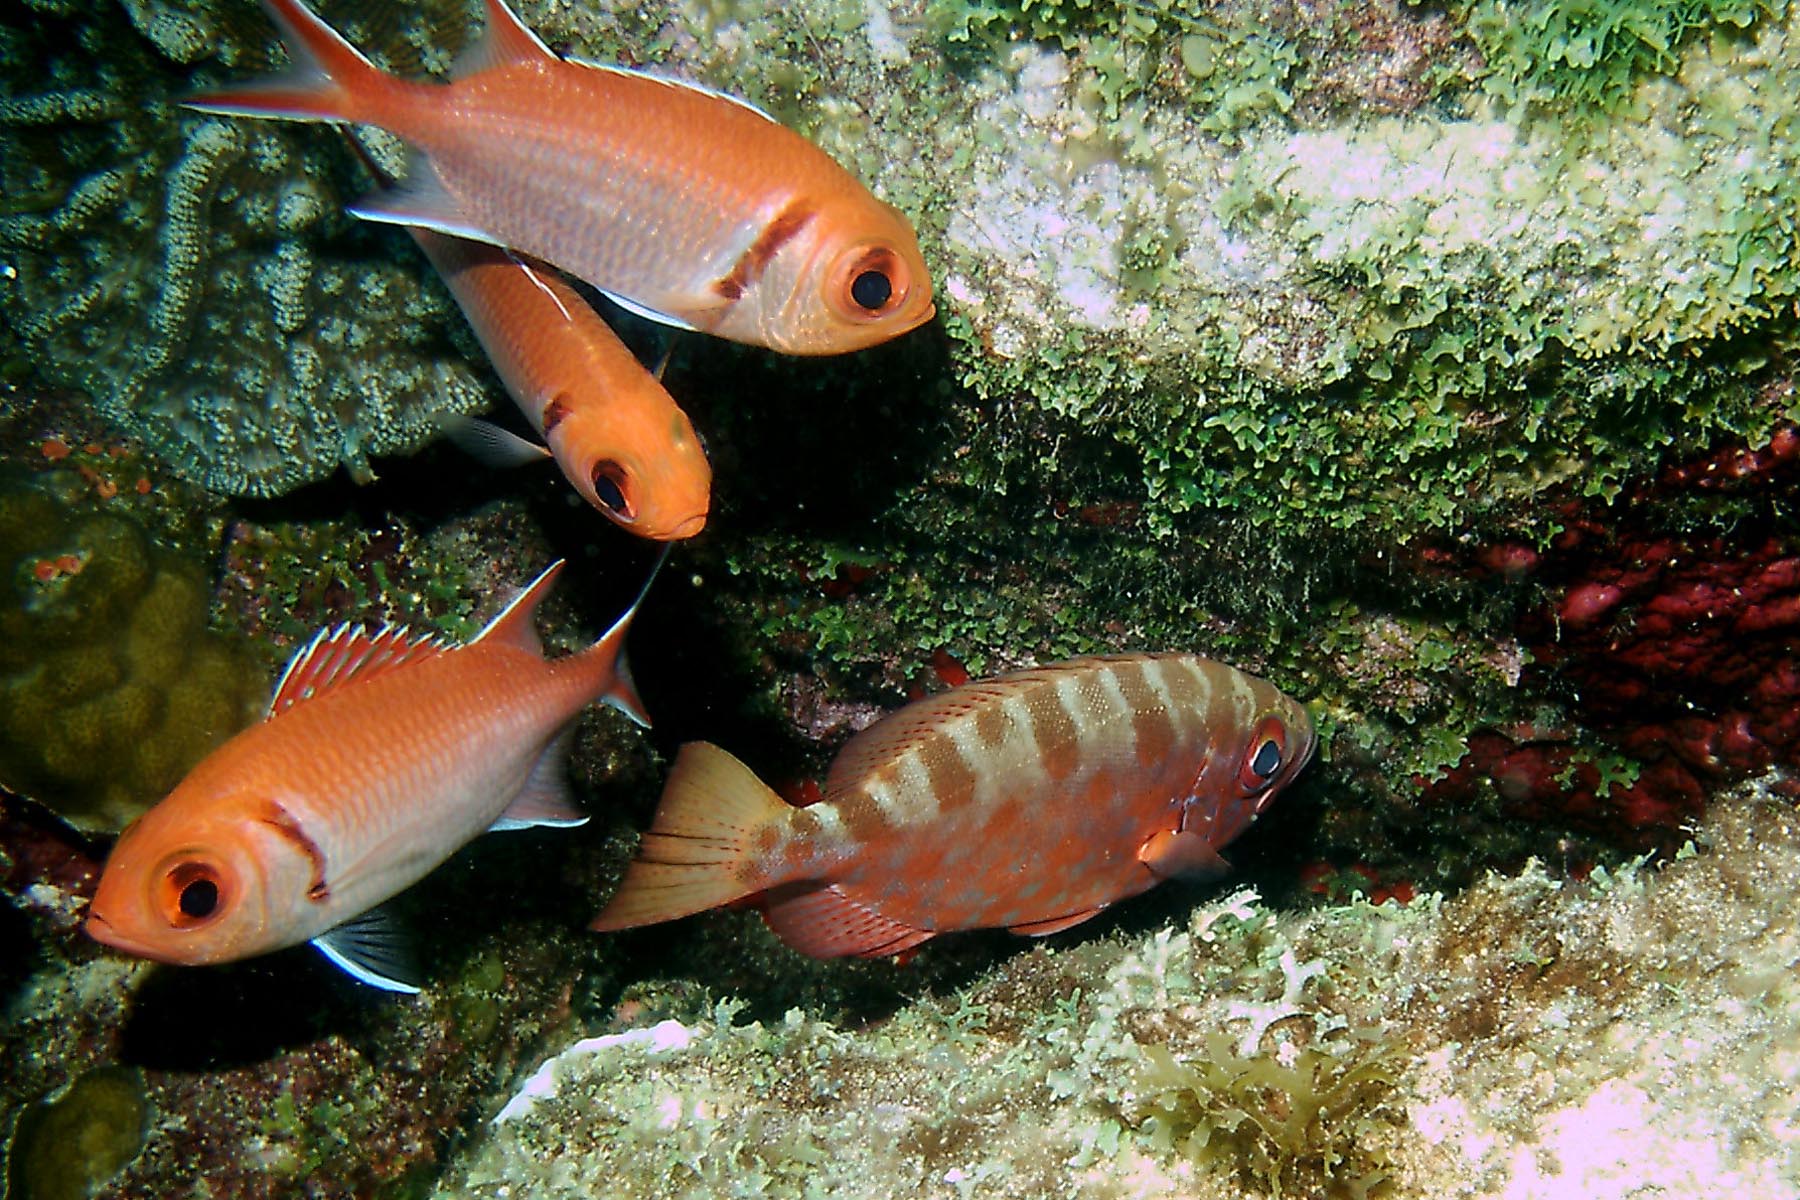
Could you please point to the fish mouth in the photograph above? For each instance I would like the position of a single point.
(104, 932)
(687, 528)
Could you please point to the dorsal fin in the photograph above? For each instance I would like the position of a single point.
(671, 81)
(505, 40)
(516, 625)
(336, 656)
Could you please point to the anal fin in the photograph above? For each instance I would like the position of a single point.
(825, 923)
(545, 799)
(1056, 924)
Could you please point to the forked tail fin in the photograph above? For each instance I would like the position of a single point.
(620, 690)
(329, 81)
(704, 846)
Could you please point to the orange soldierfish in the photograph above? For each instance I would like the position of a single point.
(382, 753)
(1031, 801)
(611, 425)
(685, 205)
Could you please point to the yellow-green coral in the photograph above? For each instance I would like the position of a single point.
(68, 1148)
(110, 685)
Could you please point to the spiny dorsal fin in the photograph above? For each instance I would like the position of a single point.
(505, 40)
(516, 624)
(336, 656)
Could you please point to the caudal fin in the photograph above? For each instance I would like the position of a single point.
(703, 846)
(620, 691)
(329, 81)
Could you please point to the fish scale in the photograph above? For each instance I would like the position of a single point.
(1031, 801)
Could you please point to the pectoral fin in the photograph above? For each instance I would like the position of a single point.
(373, 950)
(1171, 853)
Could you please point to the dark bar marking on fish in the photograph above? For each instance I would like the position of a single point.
(952, 779)
(865, 817)
(992, 724)
(1151, 723)
(1058, 739)
(748, 269)
(554, 412)
(283, 822)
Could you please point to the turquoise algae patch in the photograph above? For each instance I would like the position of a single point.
(111, 687)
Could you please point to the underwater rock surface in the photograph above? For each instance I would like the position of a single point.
(1529, 1038)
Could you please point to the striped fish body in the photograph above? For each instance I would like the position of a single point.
(1031, 801)
(683, 204)
(612, 427)
(382, 755)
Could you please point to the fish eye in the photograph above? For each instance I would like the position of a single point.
(1264, 758)
(609, 485)
(869, 282)
(871, 290)
(193, 894)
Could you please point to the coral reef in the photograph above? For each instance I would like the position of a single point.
(196, 277)
(110, 685)
(1434, 367)
(1529, 1037)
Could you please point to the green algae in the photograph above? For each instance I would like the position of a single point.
(1595, 52)
(111, 687)
(69, 1147)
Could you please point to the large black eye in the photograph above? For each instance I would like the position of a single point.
(871, 290)
(199, 898)
(192, 894)
(609, 486)
(1266, 760)
(1263, 759)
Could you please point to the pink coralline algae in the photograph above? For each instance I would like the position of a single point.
(1682, 648)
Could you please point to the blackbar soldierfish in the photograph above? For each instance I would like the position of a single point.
(1031, 801)
(685, 205)
(382, 753)
(611, 425)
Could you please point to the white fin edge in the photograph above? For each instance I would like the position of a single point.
(368, 949)
(649, 314)
(672, 81)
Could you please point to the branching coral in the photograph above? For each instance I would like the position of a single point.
(196, 276)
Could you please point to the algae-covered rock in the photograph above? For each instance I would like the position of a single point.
(1428, 1051)
(68, 1147)
(110, 684)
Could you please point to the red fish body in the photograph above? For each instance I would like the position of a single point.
(382, 754)
(685, 205)
(1031, 801)
(612, 427)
